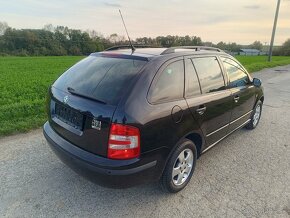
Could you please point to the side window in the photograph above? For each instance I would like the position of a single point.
(169, 85)
(191, 80)
(237, 75)
(210, 74)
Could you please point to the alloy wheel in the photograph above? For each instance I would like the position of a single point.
(182, 167)
(257, 115)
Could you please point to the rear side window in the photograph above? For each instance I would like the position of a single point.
(169, 84)
(102, 78)
(209, 74)
(191, 80)
(237, 76)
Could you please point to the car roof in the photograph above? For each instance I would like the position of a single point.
(150, 52)
(139, 52)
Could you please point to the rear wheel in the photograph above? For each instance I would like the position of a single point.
(255, 116)
(180, 167)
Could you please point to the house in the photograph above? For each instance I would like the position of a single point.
(250, 52)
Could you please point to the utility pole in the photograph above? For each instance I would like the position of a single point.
(274, 31)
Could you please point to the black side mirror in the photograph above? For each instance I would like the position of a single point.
(257, 82)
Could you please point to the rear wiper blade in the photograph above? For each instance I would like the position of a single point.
(74, 92)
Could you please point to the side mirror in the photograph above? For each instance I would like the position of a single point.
(257, 82)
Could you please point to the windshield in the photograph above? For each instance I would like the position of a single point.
(102, 78)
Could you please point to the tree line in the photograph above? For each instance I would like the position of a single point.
(61, 40)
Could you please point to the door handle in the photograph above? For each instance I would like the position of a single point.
(236, 99)
(201, 110)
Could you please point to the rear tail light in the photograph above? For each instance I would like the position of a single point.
(124, 142)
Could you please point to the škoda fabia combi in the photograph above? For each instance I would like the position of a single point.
(124, 117)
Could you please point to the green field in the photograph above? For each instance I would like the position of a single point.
(24, 82)
(253, 64)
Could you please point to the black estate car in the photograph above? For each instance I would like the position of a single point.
(124, 117)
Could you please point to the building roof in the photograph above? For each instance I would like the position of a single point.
(249, 50)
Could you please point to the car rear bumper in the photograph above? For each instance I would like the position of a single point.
(104, 171)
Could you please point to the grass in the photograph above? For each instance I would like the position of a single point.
(24, 82)
(256, 63)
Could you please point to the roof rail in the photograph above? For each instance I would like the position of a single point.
(196, 48)
(128, 46)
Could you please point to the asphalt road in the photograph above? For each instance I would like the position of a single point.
(246, 175)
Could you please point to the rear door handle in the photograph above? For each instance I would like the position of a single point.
(201, 110)
(236, 99)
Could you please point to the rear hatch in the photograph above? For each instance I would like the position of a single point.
(83, 100)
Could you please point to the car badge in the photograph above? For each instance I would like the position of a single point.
(65, 99)
(96, 124)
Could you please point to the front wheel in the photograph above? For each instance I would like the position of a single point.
(180, 167)
(255, 116)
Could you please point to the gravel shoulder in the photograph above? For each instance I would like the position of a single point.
(245, 175)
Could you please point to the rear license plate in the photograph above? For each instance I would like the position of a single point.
(70, 116)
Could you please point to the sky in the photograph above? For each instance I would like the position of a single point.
(241, 21)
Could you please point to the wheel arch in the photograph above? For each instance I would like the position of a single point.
(259, 98)
(198, 140)
(196, 137)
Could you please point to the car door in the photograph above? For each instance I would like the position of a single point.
(208, 99)
(243, 92)
(167, 118)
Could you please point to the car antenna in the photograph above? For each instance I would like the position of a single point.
(132, 47)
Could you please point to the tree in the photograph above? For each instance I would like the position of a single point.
(209, 44)
(3, 27)
(61, 40)
(233, 47)
(285, 49)
(49, 27)
(94, 34)
(256, 45)
(114, 38)
(222, 45)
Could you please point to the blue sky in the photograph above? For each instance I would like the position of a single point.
(242, 21)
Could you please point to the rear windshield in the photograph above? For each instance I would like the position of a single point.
(101, 78)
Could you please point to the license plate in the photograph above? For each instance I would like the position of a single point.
(70, 116)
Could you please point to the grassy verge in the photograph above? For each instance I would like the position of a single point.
(24, 82)
(256, 63)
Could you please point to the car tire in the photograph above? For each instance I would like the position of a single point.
(256, 115)
(180, 167)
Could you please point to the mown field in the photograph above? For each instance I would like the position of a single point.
(24, 82)
(257, 63)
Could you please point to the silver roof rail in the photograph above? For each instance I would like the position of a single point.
(128, 46)
(196, 48)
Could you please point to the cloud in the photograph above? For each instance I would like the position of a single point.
(254, 7)
(115, 5)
